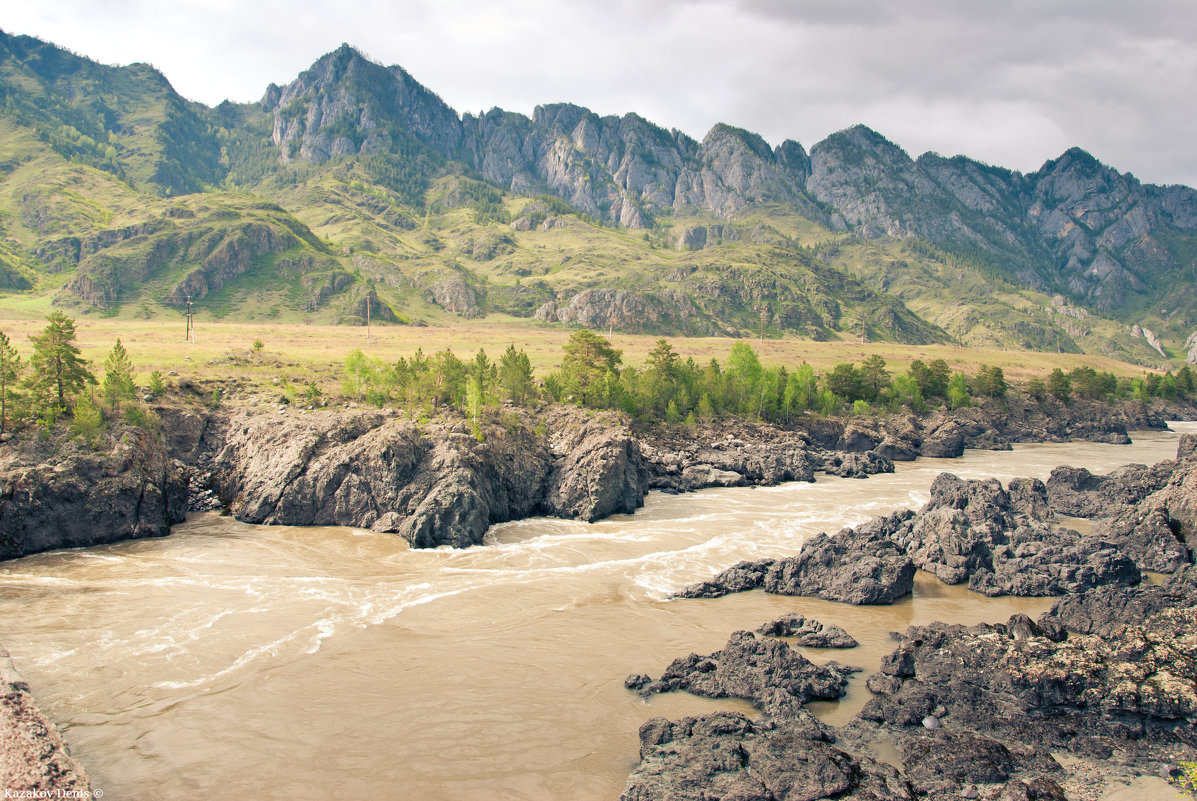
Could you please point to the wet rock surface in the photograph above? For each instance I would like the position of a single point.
(766, 672)
(808, 632)
(1108, 676)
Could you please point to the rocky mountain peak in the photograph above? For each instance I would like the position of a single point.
(346, 104)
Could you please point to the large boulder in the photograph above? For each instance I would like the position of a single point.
(597, 472)
(763, 671)
(856, 566)
(1077, 492)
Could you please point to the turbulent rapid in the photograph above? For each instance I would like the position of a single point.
(284, 663)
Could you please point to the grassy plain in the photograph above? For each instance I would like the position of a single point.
(223, 350)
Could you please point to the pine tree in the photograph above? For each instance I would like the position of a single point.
(59, 373)
(1058, 385)
(515, 374)
(118, 377)
(88, 420)
(10, 371)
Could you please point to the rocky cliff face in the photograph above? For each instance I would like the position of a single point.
(345, 104)
(439, 486)
(71, 496)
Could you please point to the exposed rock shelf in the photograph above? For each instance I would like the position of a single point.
(1109, 674)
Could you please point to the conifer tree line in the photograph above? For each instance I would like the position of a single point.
(669, 388)
(57, 383)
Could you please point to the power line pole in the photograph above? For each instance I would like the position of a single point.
(190, 335)
(367, 316)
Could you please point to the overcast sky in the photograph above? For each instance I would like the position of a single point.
(1011, 83)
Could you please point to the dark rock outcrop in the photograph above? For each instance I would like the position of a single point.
(1105, 611)
(765, 672)
(1077, 492)
(855, 566)
(597, 472)
(1131, 684)
(855, 465)
(73, 496)
(1000, 543)
(939, 763)
(727, 453)
(726, 755)
(808, 633)
(740, 577)
(440, 487)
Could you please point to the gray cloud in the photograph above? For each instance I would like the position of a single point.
(1010, 83)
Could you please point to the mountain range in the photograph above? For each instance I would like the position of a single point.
(354, 185)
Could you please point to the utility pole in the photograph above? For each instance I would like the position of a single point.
(190, 335)
(367, 316)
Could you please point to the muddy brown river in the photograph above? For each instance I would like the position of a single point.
(238, 661)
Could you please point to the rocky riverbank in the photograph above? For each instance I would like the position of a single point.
(436, 483)
(1103, 685)
(34, 761)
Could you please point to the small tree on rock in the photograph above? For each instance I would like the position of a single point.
(118, 377)
(59, 372)
(10, 372)
(515, 374)
(1058, 385)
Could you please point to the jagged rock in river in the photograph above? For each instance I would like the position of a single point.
(1077, 492)
(808, 632)
(440, 487)
(1158, 531)
(1002, 545)
(740, 577)
(765, 672)
(856, 566)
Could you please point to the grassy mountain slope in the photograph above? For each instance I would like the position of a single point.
(355, 188)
